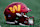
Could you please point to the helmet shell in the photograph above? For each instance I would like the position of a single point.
(14, 8)
(18, 9)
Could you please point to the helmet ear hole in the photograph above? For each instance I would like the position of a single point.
(9, 15)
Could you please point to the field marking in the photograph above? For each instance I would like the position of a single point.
(0, 25)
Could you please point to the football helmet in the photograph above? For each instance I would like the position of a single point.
(15, 13)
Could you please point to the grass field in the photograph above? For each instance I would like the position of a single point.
(32, 4)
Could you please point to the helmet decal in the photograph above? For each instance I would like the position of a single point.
(15, 8)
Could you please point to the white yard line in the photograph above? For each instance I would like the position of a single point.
(0, 25)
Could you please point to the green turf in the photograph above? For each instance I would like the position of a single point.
(32, 4)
